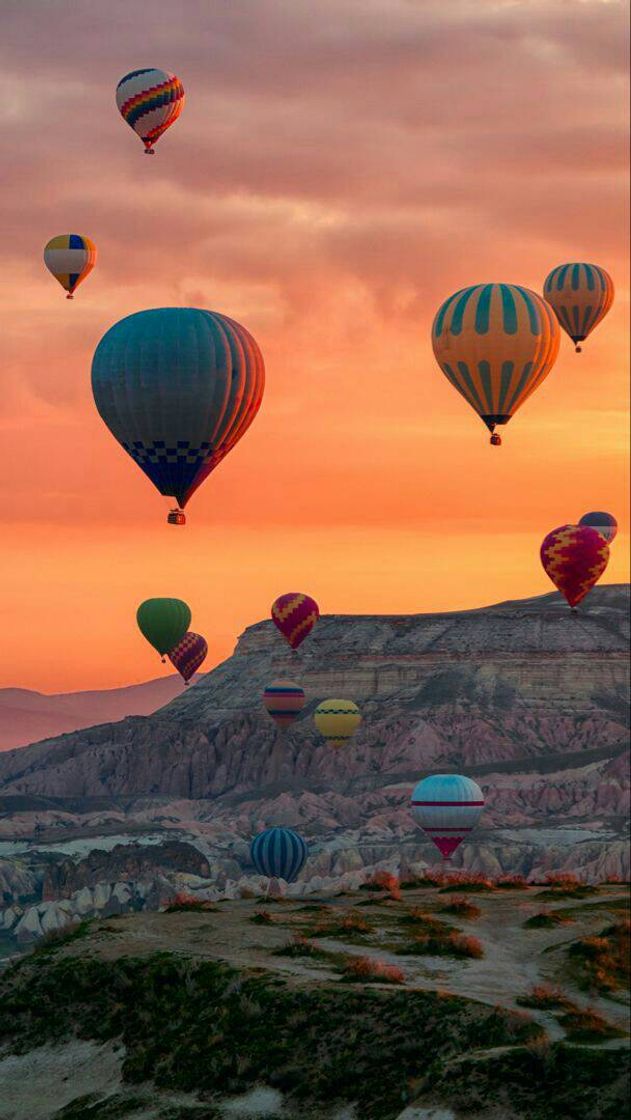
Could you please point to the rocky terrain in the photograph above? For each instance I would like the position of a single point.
(27, 716)
(384, 1004)
(526, 697)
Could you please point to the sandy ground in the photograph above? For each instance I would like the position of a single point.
(34, 1086)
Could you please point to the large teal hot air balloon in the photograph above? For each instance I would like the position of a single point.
(177, 387)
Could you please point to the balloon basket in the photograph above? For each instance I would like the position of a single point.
(176, 517)
(70, 296)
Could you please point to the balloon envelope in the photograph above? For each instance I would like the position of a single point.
(177, 388)
(284, 701)
(495, 343)
(70, 258)
(279, 853)
(163, 622)
(603, 523)
(295, 615)
(581, 295)
(574, 557)
(337, 720)
(447, 807)
(189, 653)
(150, 101)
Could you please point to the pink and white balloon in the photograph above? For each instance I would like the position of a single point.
(447, 807)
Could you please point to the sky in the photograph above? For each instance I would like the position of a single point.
(339, 169)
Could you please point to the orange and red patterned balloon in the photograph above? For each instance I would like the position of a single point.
(295, 615)
(574, 557)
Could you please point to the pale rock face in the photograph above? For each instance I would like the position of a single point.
(102, 893)
(29, 927)
(122, 893)
(54, 918)
(10, 917)
(83, 901)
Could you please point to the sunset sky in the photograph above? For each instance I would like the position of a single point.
(340, 167)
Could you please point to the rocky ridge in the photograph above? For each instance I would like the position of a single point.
(525, 696)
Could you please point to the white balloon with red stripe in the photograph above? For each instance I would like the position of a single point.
(447, 807)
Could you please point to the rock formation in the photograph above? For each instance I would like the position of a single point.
(526, 697)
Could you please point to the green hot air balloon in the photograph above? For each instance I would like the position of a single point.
(163, 622)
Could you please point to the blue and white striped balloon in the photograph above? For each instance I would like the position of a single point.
(447, 807)
(279, 853)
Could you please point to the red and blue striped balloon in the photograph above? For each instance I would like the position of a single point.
(447, 807)
(279, 853)
(284, 701)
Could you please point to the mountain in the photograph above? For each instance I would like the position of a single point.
(27, 716)
(527, 697)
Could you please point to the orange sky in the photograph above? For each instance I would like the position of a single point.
(339, 169)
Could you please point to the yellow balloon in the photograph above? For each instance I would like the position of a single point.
(495, 343)
(337, 720)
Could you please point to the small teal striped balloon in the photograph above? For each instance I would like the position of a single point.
(279, 853)
(581, 295)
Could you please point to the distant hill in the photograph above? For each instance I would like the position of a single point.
(27, 716)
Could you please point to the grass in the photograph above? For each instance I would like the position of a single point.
(183, 903)
(512, 883)
(601, 964)
(537, 1082)
(566, 885)
(349, 926)
(587, 1025)
(300, 946)
(461, 908)
(545, 997)
(262, 918)
(431, 937)
(205, 1027)
(468, 882)
(548, 919)
(361, 970)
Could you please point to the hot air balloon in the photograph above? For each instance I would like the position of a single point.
(188, 655)
(150, 101)
(581, 295)
(574, 557)
(177, 387)
(284, 701)
(279, 853)
(163, 622)
(70, 257)
(603, 523)
(295, 615)
(337, 720)
(495, 343)
(447, 808)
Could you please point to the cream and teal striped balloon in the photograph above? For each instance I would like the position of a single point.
(581, 295)
(496, 344)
